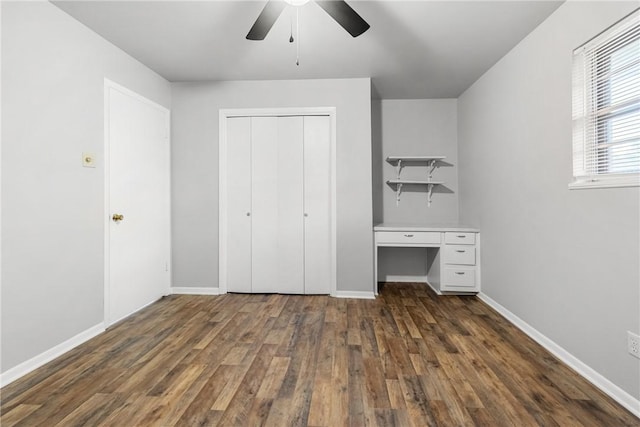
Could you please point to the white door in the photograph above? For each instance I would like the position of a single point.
(264, 206)
(238, 169)
(137, 137)
(290, 221)
(277, 243)
(317, 206)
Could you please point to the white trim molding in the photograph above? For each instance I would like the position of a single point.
(355, 294)
(606, 181)
(35, 362)
(435, 289)
(616, 393)
(402, 279)
(194, 291)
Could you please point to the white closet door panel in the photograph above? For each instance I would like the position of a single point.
(264, 197)
(239, 204)
(317, 196)
(290, 249)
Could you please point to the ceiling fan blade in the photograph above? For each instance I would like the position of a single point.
(345, 16)
(266, 19)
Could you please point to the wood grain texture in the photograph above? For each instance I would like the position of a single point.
(408, 358)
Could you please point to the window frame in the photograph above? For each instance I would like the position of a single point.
(588, 88)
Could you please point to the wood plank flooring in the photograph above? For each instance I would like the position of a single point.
(409, 358)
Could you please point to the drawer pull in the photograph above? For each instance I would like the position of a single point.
(461, 236)
(408, 235)
(461, 273)
(460, 251)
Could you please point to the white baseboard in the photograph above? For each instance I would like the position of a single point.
(418, 280)
(355, 294)
(195, 291)
(434, 289)
(612, 390)
(216, 291)
(35, 362)
(402, 279)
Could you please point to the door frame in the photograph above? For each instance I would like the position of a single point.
(108, 85)
(222, 181)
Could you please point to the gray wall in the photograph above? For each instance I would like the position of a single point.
(195, 170)
(53, 71)
(418, 127)
(413, 127)
(566, 262)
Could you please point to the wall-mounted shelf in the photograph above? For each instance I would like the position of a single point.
(401, 161)
(412, 181)
(398, 183)
(432, 162)
(393, 159)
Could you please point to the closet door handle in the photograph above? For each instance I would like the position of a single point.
(248, 213)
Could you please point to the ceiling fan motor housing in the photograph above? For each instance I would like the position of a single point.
(297, 2)
(339, 10)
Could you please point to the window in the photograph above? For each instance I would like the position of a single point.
(606, 108)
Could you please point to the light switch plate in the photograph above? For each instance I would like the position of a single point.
(88, 160)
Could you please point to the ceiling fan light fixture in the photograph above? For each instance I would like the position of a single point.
(297, 2)
(339, 10)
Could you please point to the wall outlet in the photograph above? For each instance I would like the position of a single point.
(633, 344)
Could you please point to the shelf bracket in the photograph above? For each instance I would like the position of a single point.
(429, 192)
(399, 167)
(432, 167)
(398, 192)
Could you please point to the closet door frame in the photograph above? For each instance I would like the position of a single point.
(222, 180)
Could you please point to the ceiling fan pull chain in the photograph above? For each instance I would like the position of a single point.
(291, 27)
(297, 36)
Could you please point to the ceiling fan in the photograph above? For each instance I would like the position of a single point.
(339, 10)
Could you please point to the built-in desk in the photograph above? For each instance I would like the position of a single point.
(453, 264)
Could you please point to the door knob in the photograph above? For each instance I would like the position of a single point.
(117, 217)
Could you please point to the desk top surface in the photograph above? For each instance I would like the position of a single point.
(387, 226)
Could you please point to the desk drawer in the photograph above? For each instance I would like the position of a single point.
(460, 254)
(460, 238)
(459, 277)
(408, 237)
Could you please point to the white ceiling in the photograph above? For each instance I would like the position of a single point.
(414, 49)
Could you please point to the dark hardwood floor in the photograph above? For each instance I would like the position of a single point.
(409, 358)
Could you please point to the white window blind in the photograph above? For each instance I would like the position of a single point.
(606, 107)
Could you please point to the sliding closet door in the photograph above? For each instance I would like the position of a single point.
(238, 250)
(317, 206)
(290, 249)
